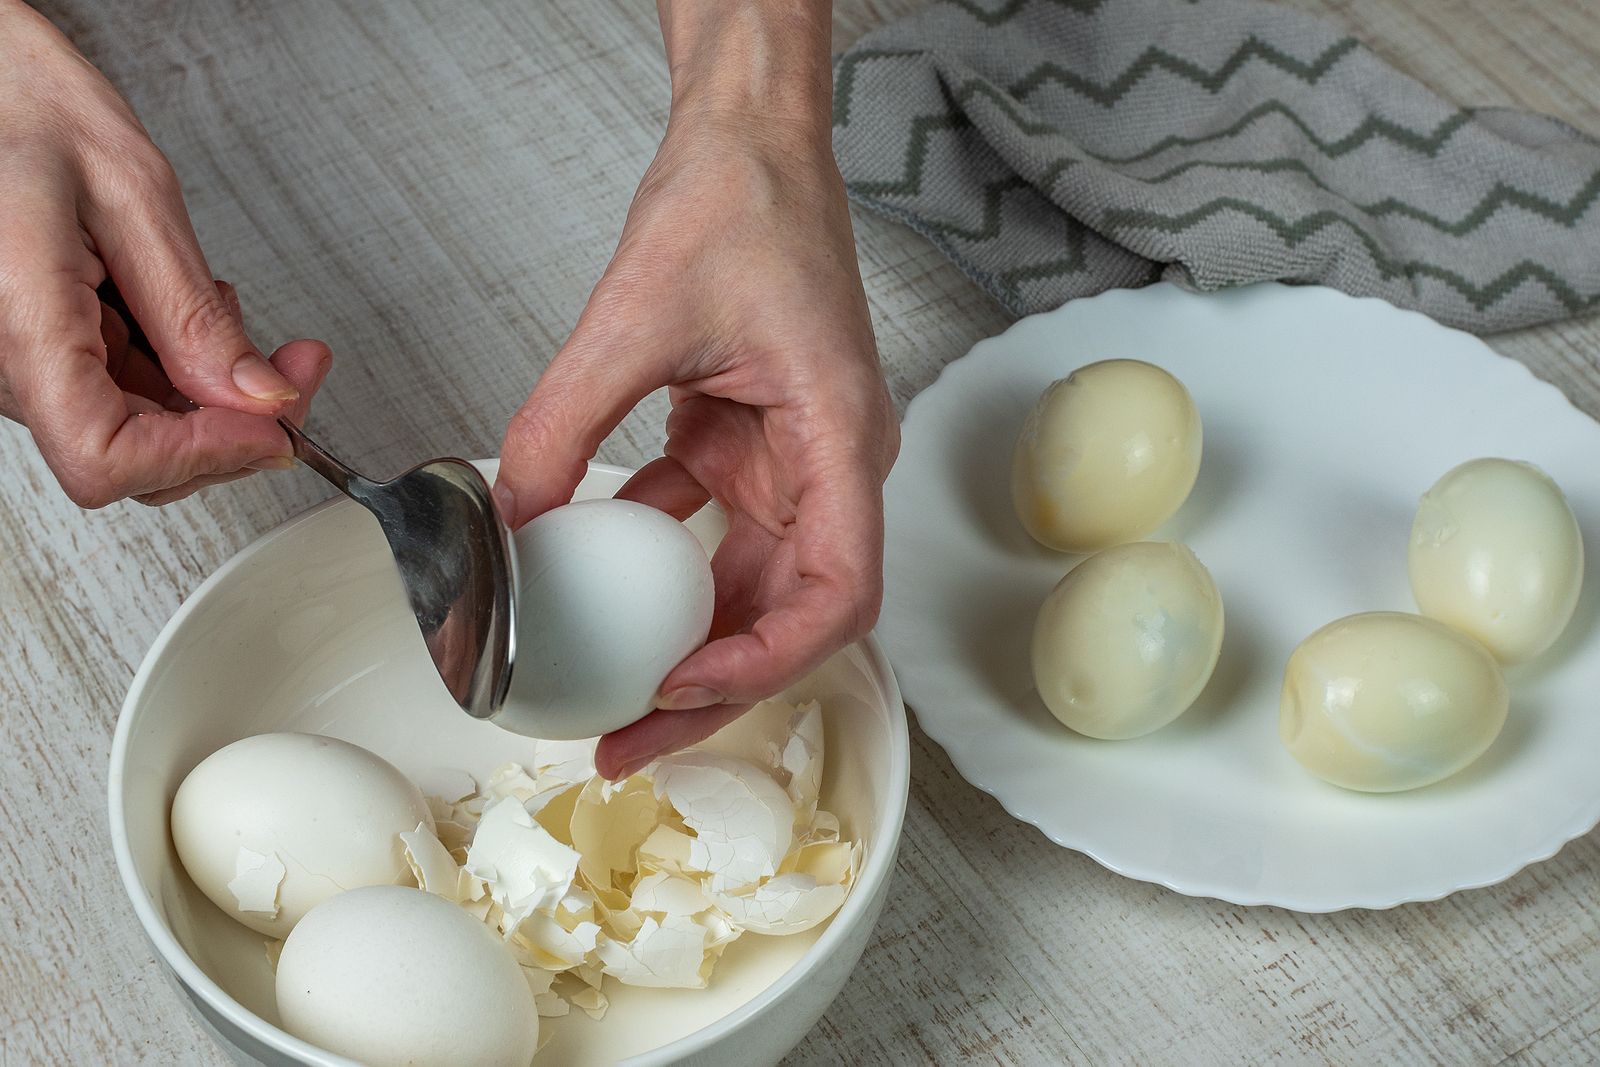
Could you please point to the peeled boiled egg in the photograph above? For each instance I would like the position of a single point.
(613, 595)
(272, 825)
(1388, 701)
(394, 975)
(1496, 553)
(1108, 454)
(1128, 639)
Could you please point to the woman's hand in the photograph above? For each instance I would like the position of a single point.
(735, 283)
(88, 198)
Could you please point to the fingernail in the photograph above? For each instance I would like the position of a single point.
(690, 696)
(506, 501)
(255, 376)
(272, 463)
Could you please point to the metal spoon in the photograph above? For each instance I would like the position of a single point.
(455, 561)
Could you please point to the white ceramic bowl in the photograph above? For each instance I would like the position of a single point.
(307, 629)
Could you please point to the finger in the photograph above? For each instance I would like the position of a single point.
(133, 370)
(189, 488)
(593, 382)
(305, 363)
(630, 749)
(664, 484)
(142, 231)
(838, 547)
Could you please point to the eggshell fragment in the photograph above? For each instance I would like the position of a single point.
(1107, 454)
(743, 821)
(431, 863)
(394, 975)
(607, 831)
(525, 869)
(672, 952)
(256, 879)
(1496, 553)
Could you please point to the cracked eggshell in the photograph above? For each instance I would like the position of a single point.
(1107, 454)
(620, 593)
(394, 975)
(434, 869)
(742, 819)
(1387, 701)
(607, 830)
(672, 952)
(524, 868)
(1496, 553)
(1128, 639)
(331, 813)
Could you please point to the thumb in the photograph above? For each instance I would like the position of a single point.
(593, 382)
(143, 233)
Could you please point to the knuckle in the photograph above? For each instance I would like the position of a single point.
(145, 166)
(90, 490)
(203, 319)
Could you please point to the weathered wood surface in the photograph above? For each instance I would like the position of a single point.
(433, 187)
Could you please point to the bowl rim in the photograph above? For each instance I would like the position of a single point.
(876, 869)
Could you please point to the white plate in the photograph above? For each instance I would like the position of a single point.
(1325, 419)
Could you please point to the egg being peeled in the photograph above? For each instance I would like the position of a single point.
(1388, 701)
(1496, 553)
(613, 595)
(393, 975)
(1108, 454)
(1127, 640)
(272, 825)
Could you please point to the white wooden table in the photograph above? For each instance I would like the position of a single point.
(433, 187)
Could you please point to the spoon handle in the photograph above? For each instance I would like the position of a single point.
(320, 460)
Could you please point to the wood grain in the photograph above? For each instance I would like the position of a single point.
(433, 187)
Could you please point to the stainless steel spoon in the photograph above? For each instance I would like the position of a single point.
(455, 561)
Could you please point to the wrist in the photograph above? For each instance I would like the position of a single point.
(758, 63)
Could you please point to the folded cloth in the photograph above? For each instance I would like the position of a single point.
(1057, 148)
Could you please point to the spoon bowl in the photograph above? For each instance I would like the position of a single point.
(454, 559)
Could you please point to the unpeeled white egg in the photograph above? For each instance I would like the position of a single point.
(1496, 553)
(392, 975)
(1108, 454)
(1128, 639)
(1387, 701)
(613, 595)
(272, 825)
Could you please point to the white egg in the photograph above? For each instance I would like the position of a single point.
(1128, 639)
(393, 975)
(1496, 553)
(273, 825)
(613, 596)
(1108, 454)
(1388, 701)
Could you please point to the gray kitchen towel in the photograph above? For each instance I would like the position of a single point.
(1057, 148)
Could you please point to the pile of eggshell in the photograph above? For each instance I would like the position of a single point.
(438, 927)
(1379, 702)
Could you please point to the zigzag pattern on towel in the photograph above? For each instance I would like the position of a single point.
(1299, 230)
(1427, 143)
(1108, 93)
(1011, 8)
(922, 129)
